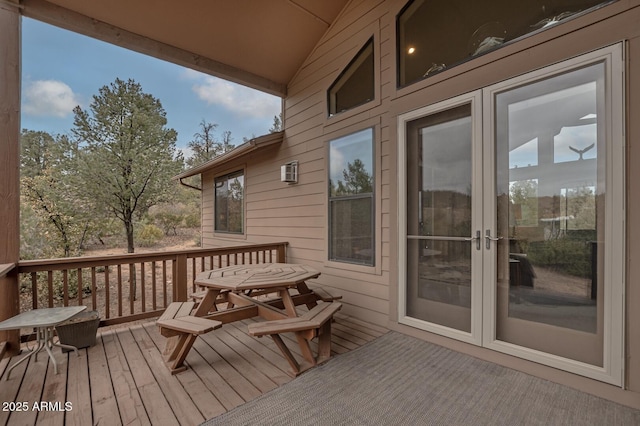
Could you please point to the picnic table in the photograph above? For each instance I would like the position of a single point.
(245, 292)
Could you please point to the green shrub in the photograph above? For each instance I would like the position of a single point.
(192, 220)
(169, 222)
(149, 235)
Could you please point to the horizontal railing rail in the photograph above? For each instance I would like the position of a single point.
(130, 287)
(5, 268)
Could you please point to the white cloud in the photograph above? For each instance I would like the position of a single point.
(49, 98)
(234, 97)
(186, 151)
(337, 164)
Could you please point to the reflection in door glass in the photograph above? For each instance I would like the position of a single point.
(551, 199)
(439, 170)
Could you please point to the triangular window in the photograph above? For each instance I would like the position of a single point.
(355, 85)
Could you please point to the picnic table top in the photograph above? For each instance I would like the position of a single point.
(256, 276)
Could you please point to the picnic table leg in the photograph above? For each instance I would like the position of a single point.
(324, 342)
(304, 289)
(208, 303)
(305, 348)
(286, 353)
(290, 308)
(180, 352)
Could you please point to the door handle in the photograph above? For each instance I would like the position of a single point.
(489, 238)
(476, 239)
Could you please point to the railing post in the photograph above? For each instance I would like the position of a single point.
(10, 170)
(180, 278)
(281, 254)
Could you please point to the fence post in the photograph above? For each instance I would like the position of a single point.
(180, 278)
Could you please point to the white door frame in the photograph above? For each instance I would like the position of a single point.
(612, 369)
(483, 299)
(475, 336)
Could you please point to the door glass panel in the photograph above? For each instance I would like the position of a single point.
(439, 171)
(550, 213)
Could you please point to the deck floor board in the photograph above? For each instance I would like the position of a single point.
(202, 397)
(123, 379)
(132, 410)
(153, 398)
(78, 390)
(176, 395)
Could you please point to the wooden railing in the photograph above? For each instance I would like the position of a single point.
(5, 268)
(129, 287)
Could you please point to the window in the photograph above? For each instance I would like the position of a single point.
(355, 85)
(351, 200)
(436, 35)
(229, 203)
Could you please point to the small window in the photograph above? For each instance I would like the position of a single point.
(436, 35)
(355, 85)
(229, 203)
(351, 199)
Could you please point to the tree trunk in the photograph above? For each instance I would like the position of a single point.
(129, 228)
(130, 249)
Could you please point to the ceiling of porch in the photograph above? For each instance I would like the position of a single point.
(258, 43)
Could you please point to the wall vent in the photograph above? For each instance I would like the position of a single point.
(289, 172)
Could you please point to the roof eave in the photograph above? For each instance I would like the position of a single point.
(253, 145)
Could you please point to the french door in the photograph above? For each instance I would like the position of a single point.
(512, 234)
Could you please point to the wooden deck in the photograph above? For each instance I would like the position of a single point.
(123, 380)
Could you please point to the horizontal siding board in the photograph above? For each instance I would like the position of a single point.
(356, 282)
(297, 212)
(285, 233)
(305, 131)
(289, 194)
(315, 110)
(365, 301)
(364, 314)
(287, 221)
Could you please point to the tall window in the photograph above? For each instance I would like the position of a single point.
(351, 198)
(438, 34)
(229, 203)
(355, 85)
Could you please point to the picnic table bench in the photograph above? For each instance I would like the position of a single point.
(177, 321)
(314, 323)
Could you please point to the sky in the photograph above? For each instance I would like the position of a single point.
(62, 69)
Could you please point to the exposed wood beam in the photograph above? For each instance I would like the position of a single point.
(10, 4)
(76, 22)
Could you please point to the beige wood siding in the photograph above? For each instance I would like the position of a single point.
(298, 213)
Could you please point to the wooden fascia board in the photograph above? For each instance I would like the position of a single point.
(82, 24)
(244, 149)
